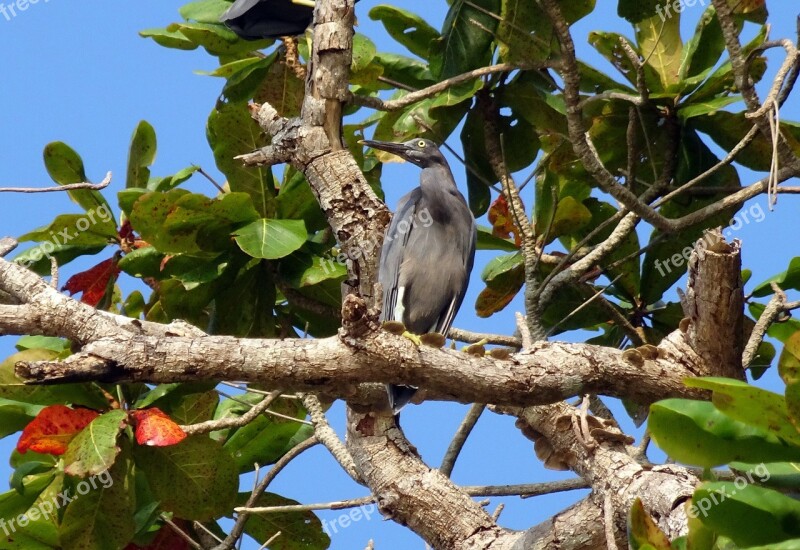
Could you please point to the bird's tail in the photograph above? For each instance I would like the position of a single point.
(399, 396)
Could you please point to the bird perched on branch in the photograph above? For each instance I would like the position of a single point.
(428, 251)
(258, 19)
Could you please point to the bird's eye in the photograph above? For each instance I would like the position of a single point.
(421, 144)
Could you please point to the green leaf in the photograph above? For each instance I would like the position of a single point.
(245, 307)
(405, 70)
(787, 280)
(521, 145)
(193, 408)
(65, 166)
(608, 44)
(204, 11)
(643, 531)
(570, 216)
(58, 345)
(231, 131)
(13, 388)
(488, 241)
(169, 39)
(100, 516)
(466, 38)
(170, 182)
(727, 129)
(783, 475)
(15, 415)
(301, 270)
(626, 273)
(281, 88)
(690, 109)
(407, 28)
(754, 406)
(142, 262)
(205, 473)
(296, 201)
(696, 432)
(217, 39)
(95, 449)
(705, 47)
(270, 238)
(299, 530)
(636, 10)
(93, 229)
(525, 33)
(504, 277)
(733, 511)
(13, 504)
(789, 370)
(141, 155)
(178, 222)
(661, 46)
(267, 438)
(666, 260)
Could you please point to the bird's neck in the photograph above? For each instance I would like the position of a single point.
(437, 180)
(439, 189)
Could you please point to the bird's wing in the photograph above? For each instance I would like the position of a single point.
(238, 8)
(468, 257)
(393, 251)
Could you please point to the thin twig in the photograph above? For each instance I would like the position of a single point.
(524, 490)
(469, 337)
(430, 91)
(460, 437)
(181, 533)
(68, 187)
(327, 436)
(238, 527)
(235, 422)
(209, 178)
(267, 411)
(584, 304)
(774, 308)
(608, 520)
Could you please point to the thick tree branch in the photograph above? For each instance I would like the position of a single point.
(714, 303)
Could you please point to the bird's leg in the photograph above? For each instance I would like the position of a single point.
(413, 337)
(398, 328)
(477, 348)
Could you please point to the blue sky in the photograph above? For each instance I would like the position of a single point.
(79, 73)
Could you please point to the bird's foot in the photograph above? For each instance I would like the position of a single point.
(477, 348)
(413, 337)
(395, 327)
(433, 339)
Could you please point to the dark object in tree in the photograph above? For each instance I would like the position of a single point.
(428, 251)
(258, 19)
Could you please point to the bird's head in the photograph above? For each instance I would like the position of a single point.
(420, 151)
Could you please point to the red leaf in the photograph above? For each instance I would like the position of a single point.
(502, 223)
(93, 282)
(154, 427)
(166, 539)
(53, 429)
(126, 231)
